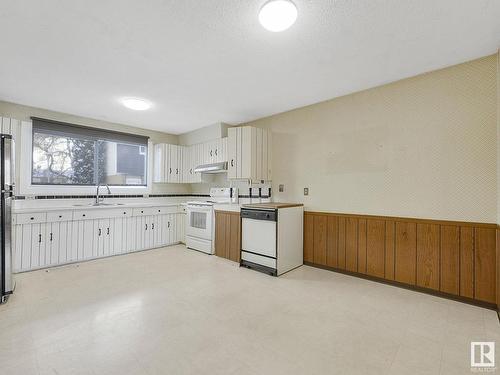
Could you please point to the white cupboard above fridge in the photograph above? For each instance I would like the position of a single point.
(249, 152)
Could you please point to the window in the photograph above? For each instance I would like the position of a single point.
(66, 154)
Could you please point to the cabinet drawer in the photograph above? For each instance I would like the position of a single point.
(101, 213)
(35, 217)
(59, 216)
(144, 211)
(164, 210)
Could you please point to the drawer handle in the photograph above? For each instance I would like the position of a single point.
(210, 152)
(142, 212)
(159, 210)
(146, 227)
(107, 231)
(51, 236)
(124, 213)
(168, 225)
(32, 218)
(39, 238)
(232, 162)
(215, 152)
(99, 231)
(83, 215)
(153, 226)
(60, 216)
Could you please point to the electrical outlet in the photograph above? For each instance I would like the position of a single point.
(306, 191)
(281, 188)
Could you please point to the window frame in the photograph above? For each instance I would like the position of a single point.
(26, 187)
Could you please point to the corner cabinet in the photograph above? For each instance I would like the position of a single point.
(47, 239)
(176, 164)
(249, 152)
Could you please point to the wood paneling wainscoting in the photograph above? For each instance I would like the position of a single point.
(454, 259)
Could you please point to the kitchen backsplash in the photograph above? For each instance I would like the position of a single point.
(253, 192)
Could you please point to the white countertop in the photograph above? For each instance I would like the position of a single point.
(29, 206)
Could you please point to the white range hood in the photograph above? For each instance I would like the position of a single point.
(212, 168)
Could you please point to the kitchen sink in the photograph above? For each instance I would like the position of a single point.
(98, 205)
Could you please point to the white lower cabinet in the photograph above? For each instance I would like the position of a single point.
(41, 244)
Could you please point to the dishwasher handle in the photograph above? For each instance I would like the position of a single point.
(267, 215)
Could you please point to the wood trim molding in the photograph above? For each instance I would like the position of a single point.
(447, 258)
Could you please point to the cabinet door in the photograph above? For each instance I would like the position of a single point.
(192, 162)
(27, 233)
(150, 226)
(22, 257)
(38, 248)
(108, 235)
(265, 165)
(36, 238)
(174, 163)
(168, 163)
(233, 239)
(18, 248)
(139, 233)
(185, 165)
(52, 247)
(169, 236)
(130, 234)
(178, 164)
(258, 155)
(173, 228)
(232, 152)
(246, 169)
(44, 245)
(89, 235)
(159, 163)
(222, 150)
(221, 221)
(179, 227)
(117, 236)
(269, 156)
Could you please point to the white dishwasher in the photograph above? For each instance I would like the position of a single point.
(271, 237)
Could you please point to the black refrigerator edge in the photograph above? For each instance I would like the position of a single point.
(6, 196)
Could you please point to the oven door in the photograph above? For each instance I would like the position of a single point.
(199, 221)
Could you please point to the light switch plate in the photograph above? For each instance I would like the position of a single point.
(281, 188)
(306, 191)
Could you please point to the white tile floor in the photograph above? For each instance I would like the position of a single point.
(176, 311)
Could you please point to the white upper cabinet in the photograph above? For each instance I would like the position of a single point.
(249, 154)
(176, 164)
(159, 163)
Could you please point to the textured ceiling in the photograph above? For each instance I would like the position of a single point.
(203, 61)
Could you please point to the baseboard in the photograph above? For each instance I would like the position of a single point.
(470, 301)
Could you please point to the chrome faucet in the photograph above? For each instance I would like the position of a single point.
(98, 199)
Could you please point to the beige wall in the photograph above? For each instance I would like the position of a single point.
(423, 147)
(24, 113)
(498, 148)
(207, 133)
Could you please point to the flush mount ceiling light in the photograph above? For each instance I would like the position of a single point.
(278, 15)
(136, 104)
